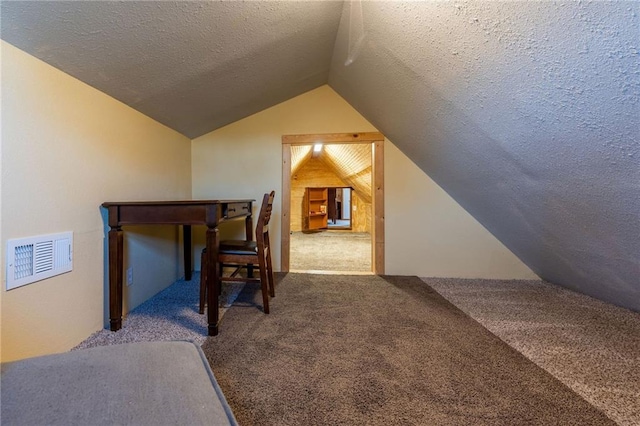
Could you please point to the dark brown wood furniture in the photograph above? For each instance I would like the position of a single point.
(245, 254)
(185, 213)
(331, 205)
(315, 209)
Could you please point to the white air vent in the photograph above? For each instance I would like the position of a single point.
(36, 258)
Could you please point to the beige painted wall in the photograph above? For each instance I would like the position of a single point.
(244, 159)
(66, 148)
(430, 235)
(427, 232)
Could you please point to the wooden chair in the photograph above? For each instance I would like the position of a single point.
(246, 254)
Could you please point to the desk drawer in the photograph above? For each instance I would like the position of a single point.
(236, 209)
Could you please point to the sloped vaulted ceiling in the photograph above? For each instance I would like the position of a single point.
(527, 113)
(194, 66)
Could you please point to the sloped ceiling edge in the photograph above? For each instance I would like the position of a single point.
(526, 115)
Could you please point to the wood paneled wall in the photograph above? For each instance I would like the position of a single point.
(315, 173)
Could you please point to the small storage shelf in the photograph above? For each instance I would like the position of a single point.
(316, 208)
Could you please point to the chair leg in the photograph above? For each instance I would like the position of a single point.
(272, 283)
(220, 274)
(264, 284)
(203, 281)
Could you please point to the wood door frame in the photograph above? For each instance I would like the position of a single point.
(377, 189)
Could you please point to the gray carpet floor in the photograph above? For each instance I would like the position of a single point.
(591, 346)
(351, 350)
(171, 314)
(344, 251)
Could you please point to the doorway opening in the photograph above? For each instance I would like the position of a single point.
(339, 208)
(357, 193)
(323, 208)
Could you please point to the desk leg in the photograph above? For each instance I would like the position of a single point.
(213, 280)
(248, 225)
(186, 240)
(115, 277)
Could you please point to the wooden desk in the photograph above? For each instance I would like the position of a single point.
(185, 213)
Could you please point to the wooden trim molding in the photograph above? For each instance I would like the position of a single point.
(339, 138)
(378, 206)
(285, 209)
(377, 161)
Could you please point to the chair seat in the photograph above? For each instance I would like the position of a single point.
(238, 247)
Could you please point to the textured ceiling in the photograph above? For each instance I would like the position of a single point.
(193, 66)
(527, 113)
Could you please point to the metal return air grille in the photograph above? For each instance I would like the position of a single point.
(36, 258)
(23, 261)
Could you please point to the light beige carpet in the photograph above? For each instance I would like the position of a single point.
(330, 251)
(591, 346)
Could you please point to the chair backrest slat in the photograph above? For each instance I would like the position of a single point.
(264, 217)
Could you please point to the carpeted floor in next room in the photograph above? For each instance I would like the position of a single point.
(389, 350)
(332, 250)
